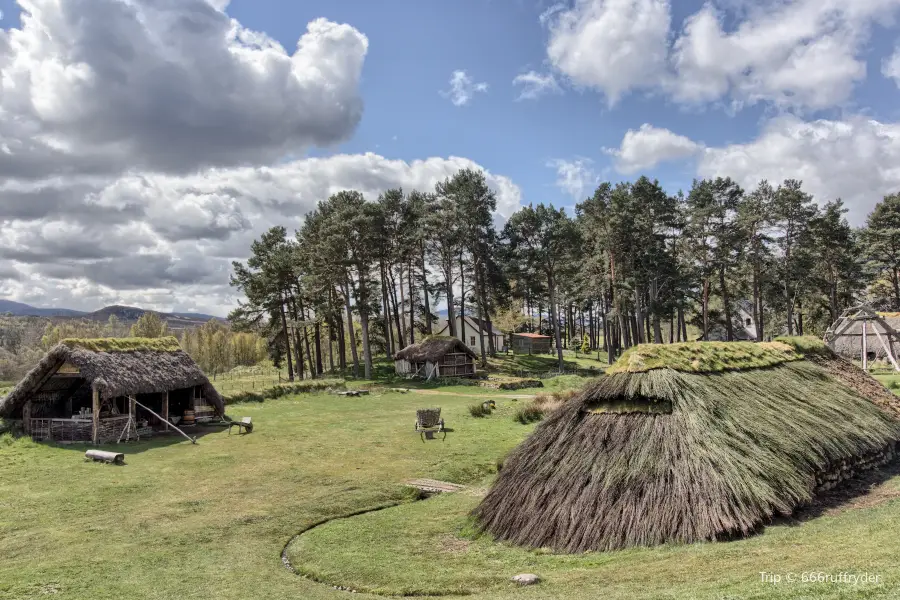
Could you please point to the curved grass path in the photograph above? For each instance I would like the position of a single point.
(430, 548)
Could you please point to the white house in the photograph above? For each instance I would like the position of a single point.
(471, 333)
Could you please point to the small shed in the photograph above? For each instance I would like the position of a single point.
(530, 343)
(94, 390)
(436, 357)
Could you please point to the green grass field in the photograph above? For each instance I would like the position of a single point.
(211, 520)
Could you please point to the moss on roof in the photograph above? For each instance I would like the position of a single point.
(163, 344)
(704, 357)
(806, 344)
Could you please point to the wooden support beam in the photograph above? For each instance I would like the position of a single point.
(887, 348)
(165, 408)
(26, 416)
(95, 429)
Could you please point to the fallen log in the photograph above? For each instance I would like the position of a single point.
(104, 456)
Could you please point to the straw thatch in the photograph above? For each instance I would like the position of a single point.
(117, 367)
(659, 455)
(432, 349)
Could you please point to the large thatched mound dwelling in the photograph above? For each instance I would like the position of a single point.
(82, 390)
(689, 442)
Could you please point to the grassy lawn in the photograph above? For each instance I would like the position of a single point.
(211, 520)
(541, 363)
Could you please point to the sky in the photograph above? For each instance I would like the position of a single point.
(145, 143)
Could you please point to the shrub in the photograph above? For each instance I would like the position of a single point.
(479, 410)
(529, 413)
(287, 389)
(894, 384)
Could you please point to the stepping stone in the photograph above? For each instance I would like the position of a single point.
(526, 579)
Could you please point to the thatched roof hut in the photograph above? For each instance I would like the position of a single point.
(689, 442)
(79, 374)
(436, 356)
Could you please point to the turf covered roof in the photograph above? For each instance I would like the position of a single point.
(687, 443)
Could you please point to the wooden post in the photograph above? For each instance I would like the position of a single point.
(165, 408)
(96, 416)
(865, 350)
(887, 347)
(26, 417)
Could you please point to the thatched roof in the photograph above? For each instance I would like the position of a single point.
(662, 452)
(433, 348)
(117, 367)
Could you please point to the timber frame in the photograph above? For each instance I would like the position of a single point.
(867, 318)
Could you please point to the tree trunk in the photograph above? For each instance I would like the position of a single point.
(706, 308)
(388, 333)
(351, 338)
(478, 286)
(412, 305)
(392, 294)
(757, 323)
(462, 301)
(287, 339)
(552, 289)
(367, 352)
(726, 302)
(425, 294)
(342, 340)
(401, 315)
(448, 289)
(319, 360)
(298, 346)
(895, 282)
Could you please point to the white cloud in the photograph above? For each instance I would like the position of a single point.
(463, 88)
(172, 237)
(890, 67)
(804, 54)
(857, 159)
(611, 45)
(134, 139)
(795, 54)
(649, 146)
(575, 177)
(534, 85)
(112, 85)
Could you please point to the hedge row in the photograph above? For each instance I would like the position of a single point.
(277, 391)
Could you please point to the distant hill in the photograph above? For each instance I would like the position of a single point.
(22, 310)
(125, 314)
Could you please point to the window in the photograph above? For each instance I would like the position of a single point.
(749, 322)
(472, 340)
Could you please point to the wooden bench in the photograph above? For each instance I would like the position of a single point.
(245, 425)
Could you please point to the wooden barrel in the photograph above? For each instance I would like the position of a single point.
(188, 417)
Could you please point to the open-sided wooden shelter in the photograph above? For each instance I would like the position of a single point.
(437, 356)
(104, 390)
(863, 334)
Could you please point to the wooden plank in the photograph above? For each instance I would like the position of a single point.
(95, 405)
(434, 486)
(165, 408)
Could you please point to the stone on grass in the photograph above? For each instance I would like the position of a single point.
(526, 579)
